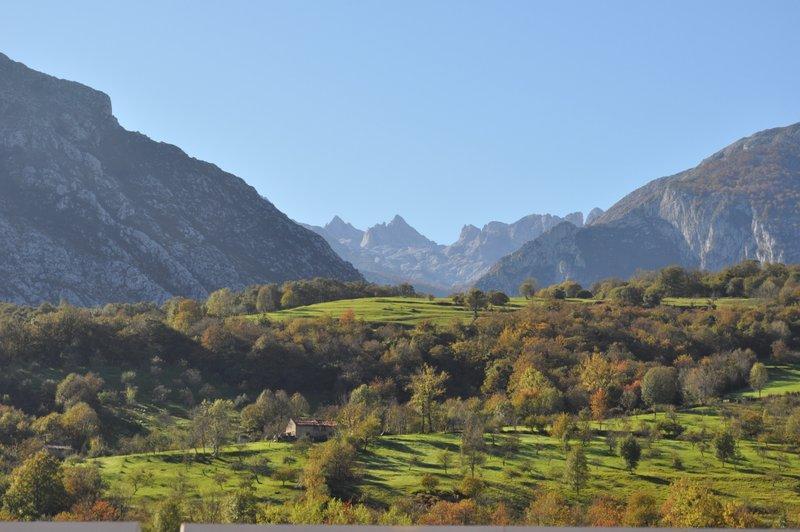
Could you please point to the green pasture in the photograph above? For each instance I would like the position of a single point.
(412, 310)
(399, 310)
(782, 379)
(393, 466)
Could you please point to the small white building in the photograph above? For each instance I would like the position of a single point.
(312, 429)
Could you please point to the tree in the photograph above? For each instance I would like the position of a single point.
(605, 511)
(168, 516)
(445, 459)
(139, 478)
(36, 488)
(330, 468)
(630, 451)
(659, 386)
(576, 469)
(286, 474)
(509, 446)
(725, 446)
(528, 288)
(641, 510)
(222, 416)
(83, 484)
(498, 299)
(444, 513)
(77, 388)
(221, 303)
(472, 443)
(626, 295)
(268, 298)
(426, 386)
(429, 482)
(691, 504)
(758, 377)
(240, 507)
(549, 508)
(80, 423)
(532, 393)
(475, 300)
(598, 403)
(597, 372)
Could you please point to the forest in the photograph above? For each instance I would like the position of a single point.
(569, 398)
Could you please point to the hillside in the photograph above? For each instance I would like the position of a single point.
(741, 203)
(394, 465)
(92, 213)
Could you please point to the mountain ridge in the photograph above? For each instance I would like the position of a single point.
(742, 202)
(396, 252)
(92, 213)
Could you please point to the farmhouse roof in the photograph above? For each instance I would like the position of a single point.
(314, 423)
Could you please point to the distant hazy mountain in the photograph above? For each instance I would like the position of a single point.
(92, 213)
(396, 252)
(743, 202)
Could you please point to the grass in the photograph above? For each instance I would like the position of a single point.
(202, 474)
(783, 379)
(412, 310)
(393, 466)
(706, 302)
(399, 310)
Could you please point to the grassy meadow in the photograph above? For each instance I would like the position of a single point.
(398, 310)
(782, 379)
(393, 466)
(412, 310)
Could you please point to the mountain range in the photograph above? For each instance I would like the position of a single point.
(92, 213)
(743, 202)
(395, 252)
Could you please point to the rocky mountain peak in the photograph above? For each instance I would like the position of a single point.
(396, 234)
(575, 218)
(344, 232)
(468, 232)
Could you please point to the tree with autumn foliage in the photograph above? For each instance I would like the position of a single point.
(598, 403)
(426, 386)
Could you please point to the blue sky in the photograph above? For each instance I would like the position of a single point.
(447, 112)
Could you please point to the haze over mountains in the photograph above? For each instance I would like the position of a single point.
(92, 213)
(395, 252)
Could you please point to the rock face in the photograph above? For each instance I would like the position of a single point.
(395, 252)
(741, 203)
(92, 213)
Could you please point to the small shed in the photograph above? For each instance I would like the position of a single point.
(312, 429)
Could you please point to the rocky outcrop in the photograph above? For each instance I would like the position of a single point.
(92, 213)
(741, 203)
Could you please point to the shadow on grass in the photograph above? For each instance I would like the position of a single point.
(399, 447)
(445, 446)
(653, 480)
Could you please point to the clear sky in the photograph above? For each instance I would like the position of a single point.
(447, 112)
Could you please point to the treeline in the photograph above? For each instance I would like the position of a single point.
(273, 297)
(748, 279)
